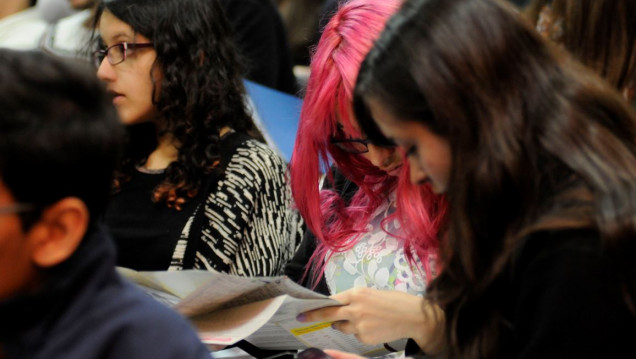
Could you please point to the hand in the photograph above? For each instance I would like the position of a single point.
(375, 317)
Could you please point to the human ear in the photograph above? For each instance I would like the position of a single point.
(58, 232)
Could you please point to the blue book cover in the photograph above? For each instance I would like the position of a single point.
(276, 114)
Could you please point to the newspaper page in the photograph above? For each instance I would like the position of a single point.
(262, 310)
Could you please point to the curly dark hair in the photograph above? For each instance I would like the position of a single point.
(201, 91)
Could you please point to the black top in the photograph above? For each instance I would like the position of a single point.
(86, 310)
(262, 41)
(241, 222)
(143, 226)
(562, 299)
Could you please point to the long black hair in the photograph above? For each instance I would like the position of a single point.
(538, 143)
(201, 90)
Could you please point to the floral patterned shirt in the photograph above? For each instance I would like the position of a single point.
(377, 260)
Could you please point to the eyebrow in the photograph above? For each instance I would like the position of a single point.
(117, 38)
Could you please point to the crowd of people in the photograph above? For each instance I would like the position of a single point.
(463, 179)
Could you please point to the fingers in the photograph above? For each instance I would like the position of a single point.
(342, 297)
(344, 326)
(341, 355)
(328, 314)
(362, 335)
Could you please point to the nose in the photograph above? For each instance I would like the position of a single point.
(105, 71)
(380, 157)
(417, 175)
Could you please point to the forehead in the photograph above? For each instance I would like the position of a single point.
(384, 118)
(347, 122)
(113, 30)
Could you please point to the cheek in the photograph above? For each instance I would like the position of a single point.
(422, 160)
(416, 174)
(16, 270)
(138, 106)
(395, 156)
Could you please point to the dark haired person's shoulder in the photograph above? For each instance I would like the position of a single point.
(240, 148)
(144, 328)
(560, 250)
(566, 298)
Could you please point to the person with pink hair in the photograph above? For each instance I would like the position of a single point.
(374, 235)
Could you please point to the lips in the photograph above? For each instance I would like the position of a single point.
(116, 96)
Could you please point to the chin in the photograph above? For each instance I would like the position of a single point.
(130, 119)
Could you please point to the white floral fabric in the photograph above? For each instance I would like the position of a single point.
(377, 260)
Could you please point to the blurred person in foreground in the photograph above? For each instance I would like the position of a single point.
(60, 296)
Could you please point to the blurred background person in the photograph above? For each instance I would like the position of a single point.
(601, 34)
(21, 25)
(261, 38)
(70, 36)
(53, 10)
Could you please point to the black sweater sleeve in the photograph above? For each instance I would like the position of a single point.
(568, 303)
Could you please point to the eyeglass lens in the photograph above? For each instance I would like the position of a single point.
(116, 54)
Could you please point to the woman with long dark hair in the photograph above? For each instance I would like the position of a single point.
(537, 156)
(197, 188)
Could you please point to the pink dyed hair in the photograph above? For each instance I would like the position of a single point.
(345, 41)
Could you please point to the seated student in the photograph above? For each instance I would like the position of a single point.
(70, 36)
(197, 188)
(599, 33)
(538, 158)
(21, 25)
(60, 296)
(368, 228)
(261, 38)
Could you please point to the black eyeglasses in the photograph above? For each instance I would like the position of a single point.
(354, 146)
(118, 53)
(17, 208)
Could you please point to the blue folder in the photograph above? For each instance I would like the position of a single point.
(276, 114)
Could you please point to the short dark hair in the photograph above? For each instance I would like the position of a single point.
(61, 136)
(33, 2)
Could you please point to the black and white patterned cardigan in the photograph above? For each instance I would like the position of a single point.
(246, 224)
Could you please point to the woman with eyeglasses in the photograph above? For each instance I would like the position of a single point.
(370, 228)
(197, 188)
(537, 156)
